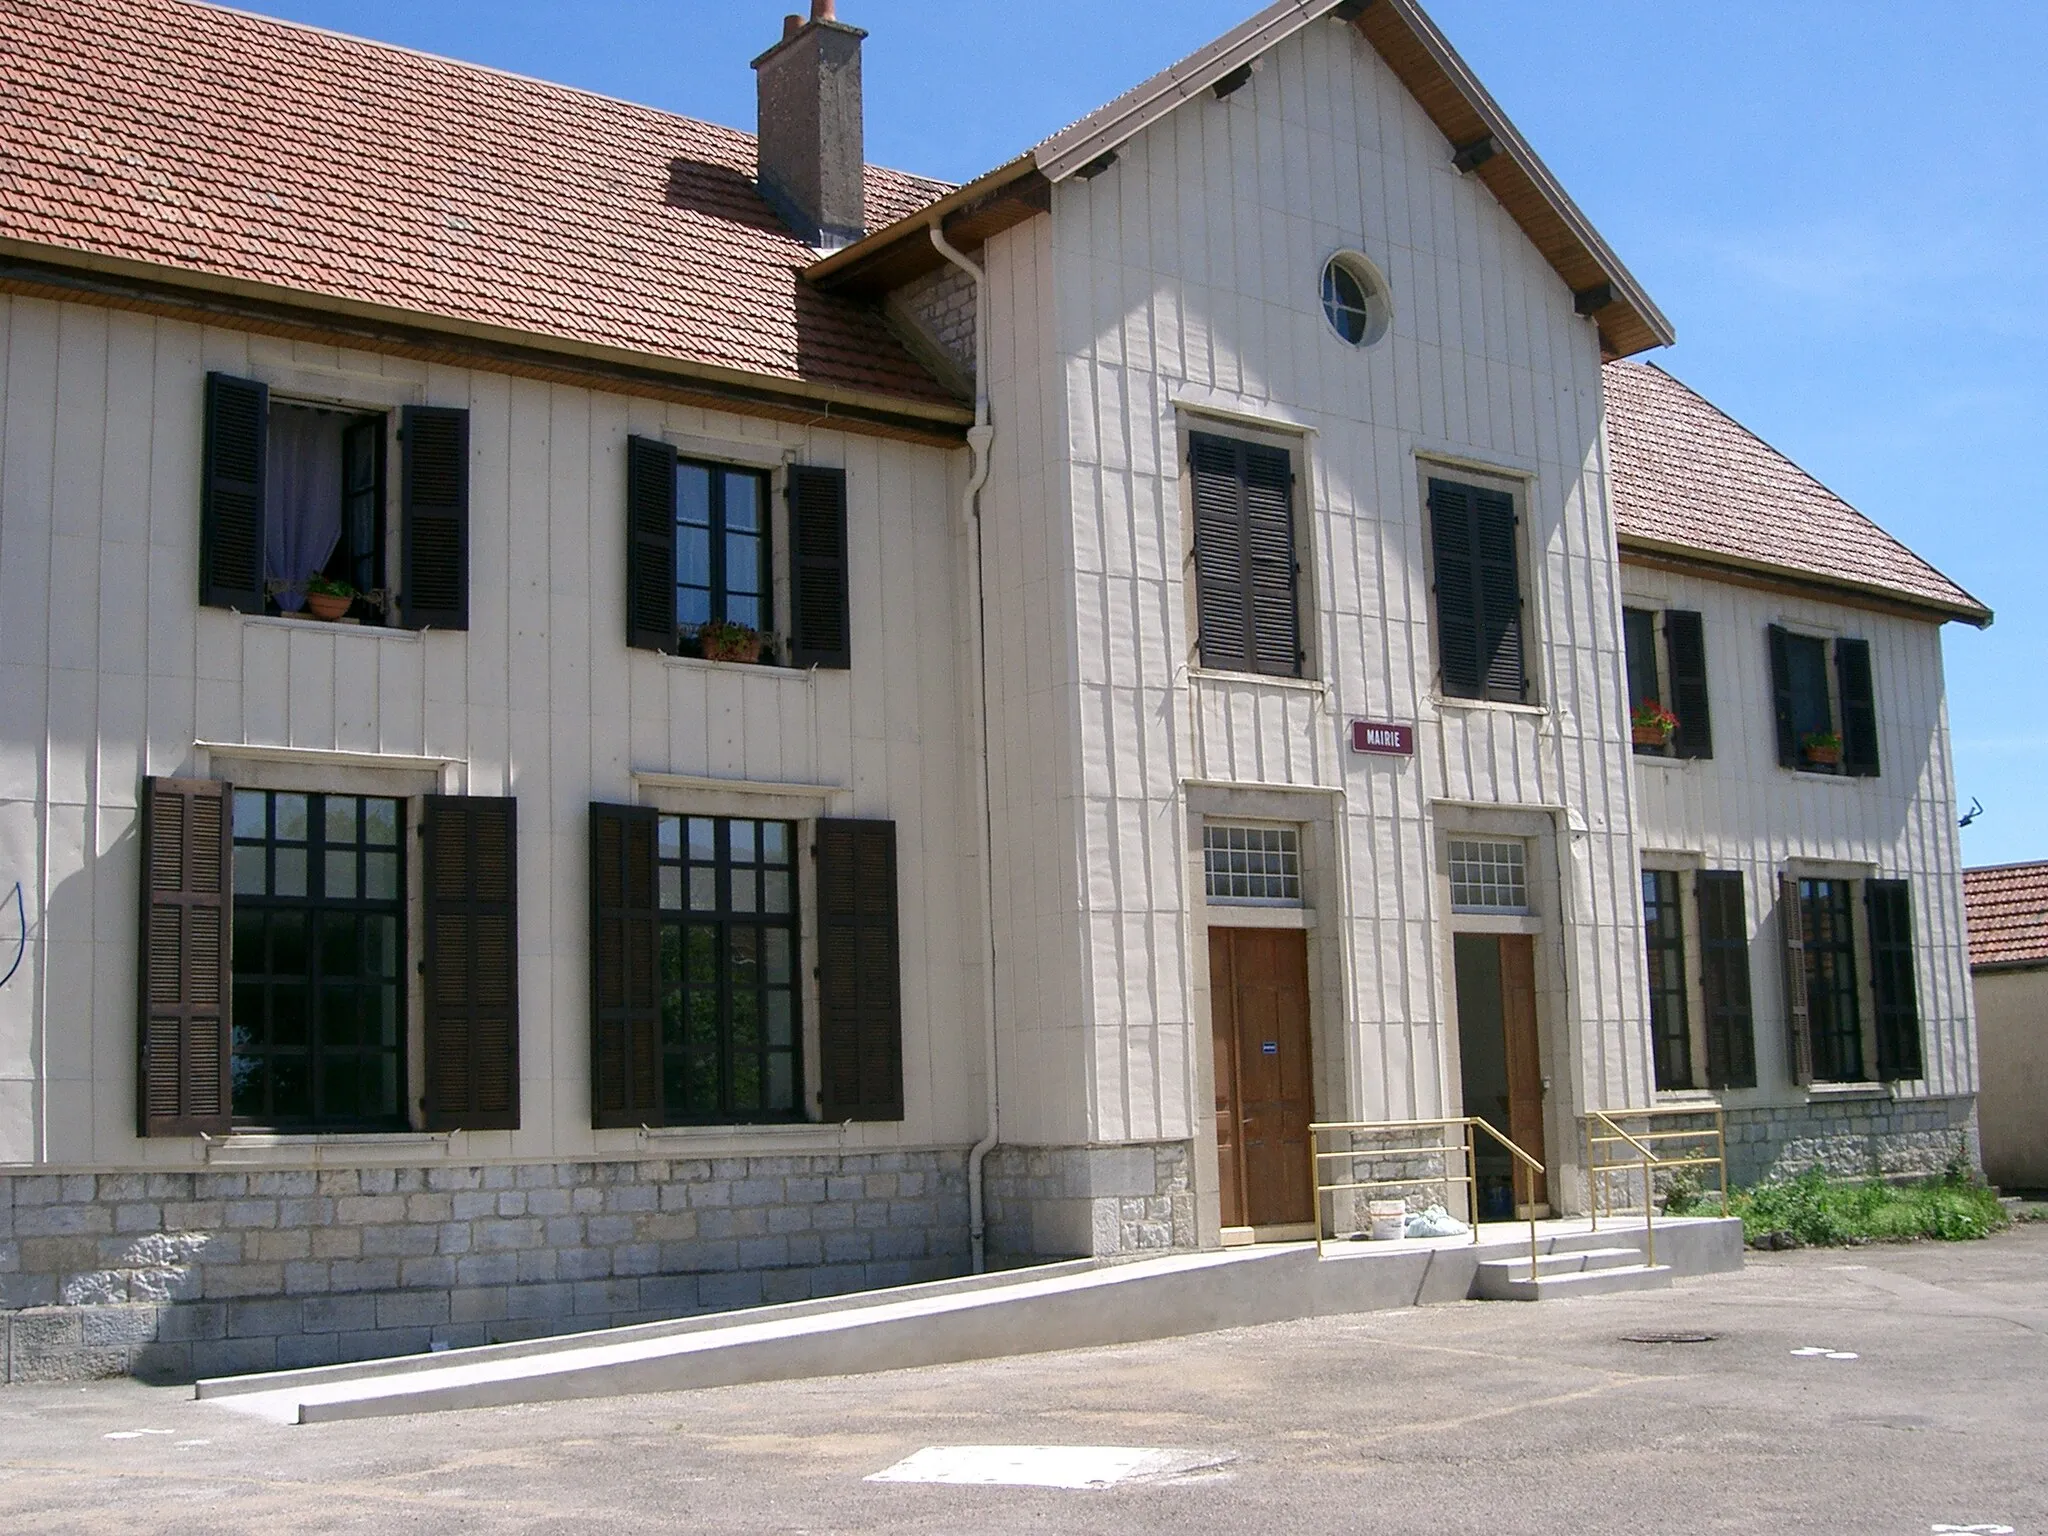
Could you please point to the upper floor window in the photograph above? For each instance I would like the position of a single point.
(1666, 655)
(1252, 866)
(1355, 299)
(294, 510)
(1247, 575)
(702, 572)
(1826, 715)
(1475, 545)
(1490, 876)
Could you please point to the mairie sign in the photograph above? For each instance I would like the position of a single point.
(1381, 739)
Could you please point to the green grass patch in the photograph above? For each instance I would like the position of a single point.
(1816, 1211)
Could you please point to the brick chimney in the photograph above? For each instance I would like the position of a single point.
(812, 136)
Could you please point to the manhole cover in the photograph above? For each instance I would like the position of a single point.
(1674, 1337)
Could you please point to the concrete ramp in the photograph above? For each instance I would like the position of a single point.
(1070, 1306)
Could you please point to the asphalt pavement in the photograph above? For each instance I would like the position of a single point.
(1877, 1390)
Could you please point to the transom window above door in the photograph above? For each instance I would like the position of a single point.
(1489, 876)
(1252, 866)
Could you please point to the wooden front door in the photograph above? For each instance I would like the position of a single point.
(1525, 1058)
(1258, 989)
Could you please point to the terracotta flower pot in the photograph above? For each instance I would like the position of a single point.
(328, 605)
(716, 647)
(1649, 735)
(1824, 757)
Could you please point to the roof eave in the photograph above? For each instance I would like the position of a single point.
(1972, 612)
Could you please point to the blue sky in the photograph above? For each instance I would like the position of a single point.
(1837, 204)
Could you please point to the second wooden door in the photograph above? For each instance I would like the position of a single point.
(1265, 1097)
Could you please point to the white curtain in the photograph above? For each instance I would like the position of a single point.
(302, 501)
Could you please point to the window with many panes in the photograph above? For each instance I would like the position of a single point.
(1252, 866)
(1834, 1014)
(1670, 1021)
(1489, 876)
(722, 570)
(731, 1036)
(319, 951)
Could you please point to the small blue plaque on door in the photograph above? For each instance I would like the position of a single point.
(1271, 1048)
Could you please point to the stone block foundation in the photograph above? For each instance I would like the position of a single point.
(1089, 1202)
(172, 1276)
(1853, 1138)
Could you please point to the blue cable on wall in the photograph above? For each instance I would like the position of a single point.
(21, 948)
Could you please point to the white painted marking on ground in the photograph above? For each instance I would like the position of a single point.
(1041, 1466)
(132, 1434)
(1810, 1352)
(1973, 1530)
(186, 1444)
(1840, 1354)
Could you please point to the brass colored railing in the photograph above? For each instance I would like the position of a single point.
(1443, 1148)
(1614, 1150)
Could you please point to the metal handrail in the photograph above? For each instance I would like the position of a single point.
(1640, 1141)
(1469, 1124)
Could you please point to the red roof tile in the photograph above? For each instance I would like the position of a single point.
(186, 136)
(2008, 912)
(1687, 476)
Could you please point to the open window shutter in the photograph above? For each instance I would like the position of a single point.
(821, 614)
(185, 970)
(434, 511)
(236, 450)
(470, 880)
(1724, 980)
(1798, 1017)
(1889, 905)
(1685, 644)
(1452, 515)
(1500, 596)
(1781, 697)
(650, 545)
(1274, 571)
(1859, 708)
(860, 994)
(1223, 595)
(625, 969)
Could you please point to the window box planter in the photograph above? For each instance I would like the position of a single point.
(1652, 725)
(329, 605)
(729, 642)
(1650, 736)
(1824, 757)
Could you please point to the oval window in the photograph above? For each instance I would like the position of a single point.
(1355, 299)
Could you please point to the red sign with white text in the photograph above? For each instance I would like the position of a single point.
(1371, 736)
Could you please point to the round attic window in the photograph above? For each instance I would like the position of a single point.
(1355, 299)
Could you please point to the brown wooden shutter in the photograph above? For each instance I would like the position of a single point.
(434, 511)
(1685, 643)
(1274, 570)
(470, 881)
(820, 624)
(650, 545)
(1889, 906)
(1859, 708)
(186, 981)
(1798, 1017)
(1223, 596)
(1457, 589)
(1724, 980)
(236, 450)
(1781, 697)
(625, 969)
(860, 994)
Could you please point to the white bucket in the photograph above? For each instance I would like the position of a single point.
(1388, 1220)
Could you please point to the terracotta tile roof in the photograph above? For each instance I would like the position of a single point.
(1687, 476)
(242, 147)
(2008, 911)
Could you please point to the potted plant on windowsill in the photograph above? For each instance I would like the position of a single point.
(1823, 749)
(328, 599)
(722, 640)
(1652, 725)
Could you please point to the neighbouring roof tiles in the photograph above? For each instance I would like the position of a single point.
(2007, 907)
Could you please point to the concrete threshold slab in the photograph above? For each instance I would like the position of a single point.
(1023, 1312)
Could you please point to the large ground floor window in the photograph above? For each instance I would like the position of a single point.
(730, 1036)
(1832, 994)
(319, 949)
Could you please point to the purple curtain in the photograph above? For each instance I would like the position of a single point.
(302, 502)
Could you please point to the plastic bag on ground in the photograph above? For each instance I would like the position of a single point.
(1436, 1222)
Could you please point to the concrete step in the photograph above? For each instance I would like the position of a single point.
(1566, 1261)
(1510, 1281)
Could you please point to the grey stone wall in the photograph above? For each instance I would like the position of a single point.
(1089, 1202)
(176, 1275)
(942, 306)
(1853, 1138)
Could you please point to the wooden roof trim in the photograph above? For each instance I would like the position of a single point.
(1688, 560)
(971, 215)
(1425, 63)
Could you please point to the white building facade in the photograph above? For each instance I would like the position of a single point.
(835, 760)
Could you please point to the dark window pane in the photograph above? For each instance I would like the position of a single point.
(693, 558)
(671, 888)
(703, 839)
(781, 1018)
(291, 1088)
(288, 1014)
(251, 1014)
(746, 1021)
(781, 1082)
(746, 895)
(743, 610)
(1811, 711)
(745, 842)
(672, 1019)
(289, 872)
(746, 1085)
(703, 1090)
(252, 815)
(288, 955)
(338, 1088)
(775, 892)
(693, 607)
(742, 566)
(701, 1020)
(743, 503)
(703, 890)
(774, 842)
(291, 818)
(340, 949)
(341, 818)
(249, 941)
(669, 837)
(380, 822)
(341, 874)
(389, 1022)
(693, 495)
(338, 1027)
(251, 864)
(249, 1083)
(702, 969)
(779, 943)
(380, 877)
